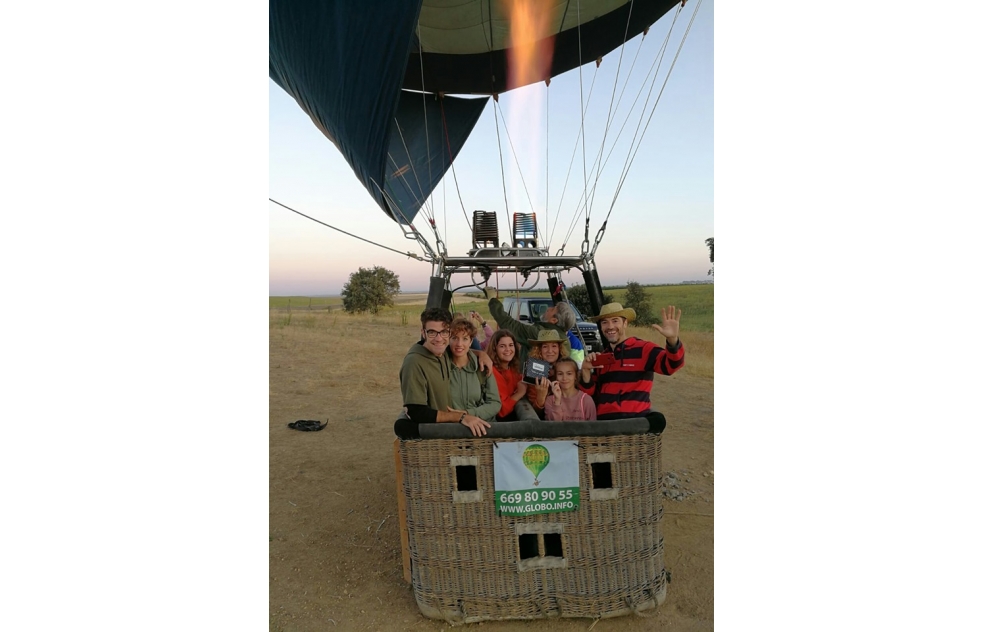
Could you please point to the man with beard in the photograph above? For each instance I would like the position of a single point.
(622, 388)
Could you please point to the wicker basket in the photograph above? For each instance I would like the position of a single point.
(464, 560)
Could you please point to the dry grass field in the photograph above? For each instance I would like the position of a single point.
(335, 560)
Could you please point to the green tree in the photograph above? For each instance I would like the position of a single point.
(709, 242)
(636, 298)
(369, 290)
(580, 298)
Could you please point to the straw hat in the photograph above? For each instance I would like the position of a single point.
(551, 335)
(614, 309)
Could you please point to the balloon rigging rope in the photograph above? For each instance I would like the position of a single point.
(504, 124)
(656, 62)
(426, 123)
(572, 157)
(408, 254)
(630, 162)
(635, 141)
(463, 209)
(427, 212)
(579, 46)
(610, 109)
(501, 159)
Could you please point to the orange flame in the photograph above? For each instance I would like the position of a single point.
(530, 55)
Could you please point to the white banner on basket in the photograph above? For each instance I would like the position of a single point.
(535, 477)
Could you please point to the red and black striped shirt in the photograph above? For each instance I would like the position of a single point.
(622, 389)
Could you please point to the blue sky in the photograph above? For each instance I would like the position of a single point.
(657, 227)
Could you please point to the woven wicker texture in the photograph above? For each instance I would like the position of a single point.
(466, 561)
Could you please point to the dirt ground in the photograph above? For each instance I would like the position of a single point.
(334, 552)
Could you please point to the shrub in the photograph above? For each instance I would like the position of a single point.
(580, 298)
(369, 290)
(636, 298)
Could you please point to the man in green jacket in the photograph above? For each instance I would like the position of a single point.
(522, 332)
(425, 375)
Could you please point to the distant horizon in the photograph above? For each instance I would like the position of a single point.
(426, 290)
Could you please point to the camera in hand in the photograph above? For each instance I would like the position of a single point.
(535, 368)
(603, 359)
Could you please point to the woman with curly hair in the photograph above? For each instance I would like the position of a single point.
(472, 393)
(549, 346)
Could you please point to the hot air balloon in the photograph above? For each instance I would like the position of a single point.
(399, 86)
(536, 458)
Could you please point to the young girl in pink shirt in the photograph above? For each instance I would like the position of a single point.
(566, 402)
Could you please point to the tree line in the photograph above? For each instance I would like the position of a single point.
(371, 289)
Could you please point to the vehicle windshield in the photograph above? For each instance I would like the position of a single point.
(539, 308)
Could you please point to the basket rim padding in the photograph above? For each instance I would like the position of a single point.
(405, 428)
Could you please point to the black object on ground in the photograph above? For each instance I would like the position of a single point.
(307, 425)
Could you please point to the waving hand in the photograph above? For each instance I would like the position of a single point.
(669, 327)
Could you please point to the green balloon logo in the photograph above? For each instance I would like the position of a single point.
(536, 458)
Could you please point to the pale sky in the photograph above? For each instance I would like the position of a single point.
(656, 229)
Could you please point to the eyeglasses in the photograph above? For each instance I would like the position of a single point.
(432, 333)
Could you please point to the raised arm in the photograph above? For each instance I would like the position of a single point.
(588, 382)
(520, 329)
(488, 332)
(669, 327)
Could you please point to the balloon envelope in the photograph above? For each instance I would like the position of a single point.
(352, 66)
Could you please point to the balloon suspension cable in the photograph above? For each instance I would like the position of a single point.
(411, 255)
(582, 110)
(546, 218)
(422, 209)
(585, 246)
(517, 163)
(428, 212)
(569, 170)
(610, 108)
(565, 298)
(446, 134)
(501, 159)
(655, 66)
(440, 246)
(426, 122)
(597, 162)
(412, 233)
(600, 235)
(630, 160)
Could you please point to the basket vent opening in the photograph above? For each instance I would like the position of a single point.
(528, 546)
(553, 544)
(601, 476)
(466, 478)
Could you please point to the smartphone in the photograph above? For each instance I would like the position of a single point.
(603, 359)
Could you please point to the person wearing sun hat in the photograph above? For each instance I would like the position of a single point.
(622, 389)
(550, 345)
(523, 333)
